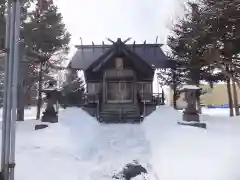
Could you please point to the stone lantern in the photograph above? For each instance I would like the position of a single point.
(190, 114)
(190, 92)
(50, 114)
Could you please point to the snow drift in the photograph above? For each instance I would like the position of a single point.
(78, 147)
(190, 153)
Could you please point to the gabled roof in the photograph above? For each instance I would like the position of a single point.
(152, 54)
(120, 49)
(85, 56)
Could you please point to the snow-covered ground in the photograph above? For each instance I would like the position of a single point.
(79, 148)
(217, 112)
(30, 113)
(188, 153)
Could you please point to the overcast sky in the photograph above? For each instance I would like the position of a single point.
(94, 20)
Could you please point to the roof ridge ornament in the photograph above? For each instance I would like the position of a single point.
(93, 45)
(119, 40)
(128, 39)
(156, 39)
(155, 52)
(103, 45)
(110, 40)
(81, 41)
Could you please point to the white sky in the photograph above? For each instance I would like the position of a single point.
(96, 20)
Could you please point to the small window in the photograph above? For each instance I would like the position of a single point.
(147, 87)
(93, 88)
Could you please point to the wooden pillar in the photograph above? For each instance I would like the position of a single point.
(104, 90)
(134, 92)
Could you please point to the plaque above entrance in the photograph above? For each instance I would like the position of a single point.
(114, 73)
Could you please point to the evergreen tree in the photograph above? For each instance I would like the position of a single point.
(188, 44)
(43, 34)
(48, 37)
(208, 39)
(73, 92)
(223, 24)
(3, 11)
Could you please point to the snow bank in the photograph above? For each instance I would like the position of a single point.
(82, 128)
(77, 148)
(181, 152)
(56, 152)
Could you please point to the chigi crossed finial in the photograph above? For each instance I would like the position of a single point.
(119, 40)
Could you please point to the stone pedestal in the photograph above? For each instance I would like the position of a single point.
(194, 124)
(40, 126)
(50, 115)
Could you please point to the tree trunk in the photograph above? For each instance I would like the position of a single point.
(20, 113)
(39, 101)
(230, 100)
(21, 105)
(175, 98)
(235, 98)
(174, 89)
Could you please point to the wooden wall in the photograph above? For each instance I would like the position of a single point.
(218, 95)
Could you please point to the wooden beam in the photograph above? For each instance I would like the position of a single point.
(128, 39)
(107, 45)
(81, 42)
(110, 40)
(155, 50)
(103, 45)
(93, 45)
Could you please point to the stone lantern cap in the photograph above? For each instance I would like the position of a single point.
(189, 87)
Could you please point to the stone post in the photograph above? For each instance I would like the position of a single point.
(50, 114)
(191, 113)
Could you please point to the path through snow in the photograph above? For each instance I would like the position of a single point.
(116, 146)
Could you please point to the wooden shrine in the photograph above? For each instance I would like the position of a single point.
(119, 78)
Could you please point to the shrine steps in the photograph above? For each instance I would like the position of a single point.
(127, 113)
